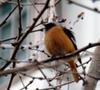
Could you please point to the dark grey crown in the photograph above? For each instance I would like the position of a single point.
(49, 26)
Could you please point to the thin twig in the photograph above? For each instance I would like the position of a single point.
(5, 20)
(24, 86)
(13, 38)
(57, 86)
(30, 82)
(44, 75)
(84, 6)
(57, 2)
(42, 51)
(34, 6)
(39, 78)
(22, 3)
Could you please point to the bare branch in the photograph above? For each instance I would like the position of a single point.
(90, 45)
(34, 64)
(10, 82)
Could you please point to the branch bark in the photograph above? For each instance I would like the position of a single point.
(93, 74)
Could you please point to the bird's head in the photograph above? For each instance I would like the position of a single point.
(49, 26)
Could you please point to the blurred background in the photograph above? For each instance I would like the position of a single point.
(86, 30)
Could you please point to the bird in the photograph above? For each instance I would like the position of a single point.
(59, 40)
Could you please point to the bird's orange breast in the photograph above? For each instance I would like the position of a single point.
(57, 42)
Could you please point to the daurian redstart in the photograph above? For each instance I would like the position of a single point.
(58, 41)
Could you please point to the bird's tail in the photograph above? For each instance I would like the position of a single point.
(73, 68)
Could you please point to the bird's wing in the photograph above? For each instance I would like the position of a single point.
(69, 33)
